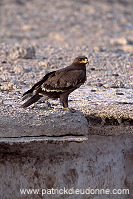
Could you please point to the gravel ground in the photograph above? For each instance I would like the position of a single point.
(40, 36)
(92, 23)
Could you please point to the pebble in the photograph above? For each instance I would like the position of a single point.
(127, 48)
(119, 93)
(26, 52)
(118, 84)
(7, 86)
(42, 63)
(118, 41)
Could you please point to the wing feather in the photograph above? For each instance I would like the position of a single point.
(64, 80)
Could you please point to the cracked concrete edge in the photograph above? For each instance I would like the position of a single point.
(60, 124)
(18, 123)
(44, 139)
(31, 123)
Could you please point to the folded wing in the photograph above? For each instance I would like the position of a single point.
(64, 80)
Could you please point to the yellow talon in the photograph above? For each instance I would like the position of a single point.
(65, 109)
(69, 109)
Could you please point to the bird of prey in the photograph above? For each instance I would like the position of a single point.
(59, 83)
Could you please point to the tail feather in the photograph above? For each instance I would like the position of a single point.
(30, 91)
(27, 96)
(32, 100)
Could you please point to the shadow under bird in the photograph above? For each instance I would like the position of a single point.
(59, 83)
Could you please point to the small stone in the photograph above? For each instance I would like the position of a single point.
(52, 66)
(27, 52)
(115, 74)
(18, 69)
(92, 68)
(26, 27)
(118, 41)
(93, 89)
(106, 86)
(7, 86)
(42, 63)
(96, 48)
(102, 49)
(127, 48)
(100, 84)
(119, 93)
(60, 58)
(57, 37)
(118, 84)
(130, 42)
(4, 62)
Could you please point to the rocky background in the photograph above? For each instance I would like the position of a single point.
(39, 36)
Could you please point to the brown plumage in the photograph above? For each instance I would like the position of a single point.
(59, 84)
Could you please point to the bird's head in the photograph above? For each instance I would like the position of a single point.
(81, 60)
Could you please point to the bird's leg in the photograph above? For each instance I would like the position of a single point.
(64, 101)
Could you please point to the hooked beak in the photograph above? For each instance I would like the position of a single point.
(85, 61)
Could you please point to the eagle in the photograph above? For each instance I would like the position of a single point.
(59, 83)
